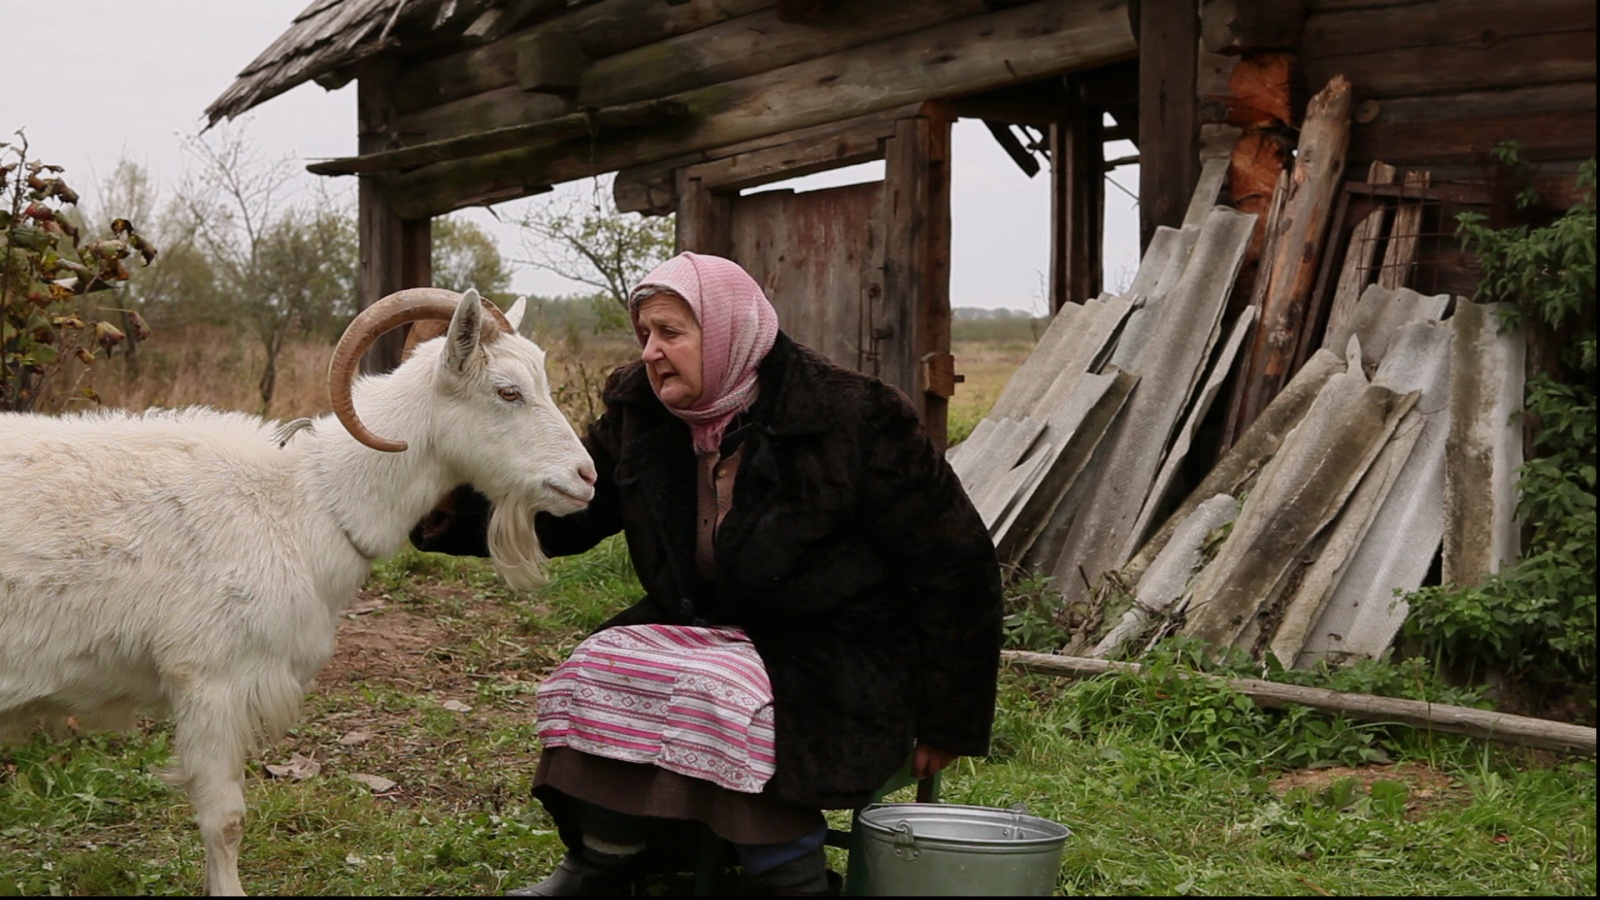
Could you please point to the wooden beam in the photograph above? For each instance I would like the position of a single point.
(651, 189)
(1077, 215)
(601, 29)
(1294, 245)
(550, 62)
(548, 131)
(1047, 37)
(388, 241)
(1479, 723)
(705, 217)
(916, 275)
(1169, 130)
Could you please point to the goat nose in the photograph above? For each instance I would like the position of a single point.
(587, 473)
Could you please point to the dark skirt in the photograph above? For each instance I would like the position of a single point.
(667, 799)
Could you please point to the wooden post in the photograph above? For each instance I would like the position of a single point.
(1077, 201)
(1169, 120)
(1294, 248)
(395, 253)
(705, 217)
(916, 274)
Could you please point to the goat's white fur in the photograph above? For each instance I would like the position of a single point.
(189, 561)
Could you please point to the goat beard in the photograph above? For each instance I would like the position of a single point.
(514, 545)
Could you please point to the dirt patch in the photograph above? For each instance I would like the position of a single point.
(1428, 787)
(380, 643)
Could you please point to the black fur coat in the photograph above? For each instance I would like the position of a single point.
(851, 556)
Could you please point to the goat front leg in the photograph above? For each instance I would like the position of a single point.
(210, 746)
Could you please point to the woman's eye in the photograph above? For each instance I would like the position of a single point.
(510, 394)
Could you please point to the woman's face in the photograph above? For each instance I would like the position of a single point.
(670, 337)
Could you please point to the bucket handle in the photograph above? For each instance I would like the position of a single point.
(905, 841)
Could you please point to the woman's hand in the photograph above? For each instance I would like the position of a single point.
(927, 760)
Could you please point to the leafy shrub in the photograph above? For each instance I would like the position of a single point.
(1535, 620)
(46, 269)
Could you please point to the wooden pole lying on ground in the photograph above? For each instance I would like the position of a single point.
(1523, 730)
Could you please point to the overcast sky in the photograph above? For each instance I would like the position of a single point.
(94, 81)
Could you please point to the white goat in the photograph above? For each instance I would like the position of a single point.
(197, 561)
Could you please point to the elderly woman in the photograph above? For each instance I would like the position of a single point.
(822, 601)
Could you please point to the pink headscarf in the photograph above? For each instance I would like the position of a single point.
(738, 327)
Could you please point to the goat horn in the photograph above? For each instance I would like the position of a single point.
(389, 313)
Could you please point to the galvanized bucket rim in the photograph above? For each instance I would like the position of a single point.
(1054, 834)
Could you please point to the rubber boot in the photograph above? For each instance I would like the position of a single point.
(578, 877)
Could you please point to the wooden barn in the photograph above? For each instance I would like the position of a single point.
(1293, 156)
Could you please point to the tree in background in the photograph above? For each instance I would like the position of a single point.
(588, 241)
(464, 255)
(47, 276)
(281, 268)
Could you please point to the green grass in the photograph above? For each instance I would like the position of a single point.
(1169, 785)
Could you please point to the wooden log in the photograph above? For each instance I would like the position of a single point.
(550, 62)
(1237, 27)
(1553, 122)
(600, 29)
(1297, 247)
(1524, 731)
(755, 43)
(1261, 91)
(1404, 50)
(1040, 39)
(395, 250)
(588, 122)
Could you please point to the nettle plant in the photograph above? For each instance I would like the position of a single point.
(48, 272)
(1535, 620)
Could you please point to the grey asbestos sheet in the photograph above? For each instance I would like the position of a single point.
(1184, 328)
(1379, 315)
(1168, 576)
(1299, 491)
(1220, 368)
(1028, 383)
(1362, 614)
(1484, 449)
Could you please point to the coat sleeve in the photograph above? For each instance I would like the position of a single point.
(942, 553)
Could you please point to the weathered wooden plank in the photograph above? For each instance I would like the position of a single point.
(1400, 254)
(1362, 614)
(1296, 245)
(1299, 491)
(755, 43)
(1076, 141)
(1484, 449)
(1170, 572)
(649, 188)
(1355, 273)
(394, 251)
(809, 251)
(1482, 723)
(1042, 38)
(1180, 338)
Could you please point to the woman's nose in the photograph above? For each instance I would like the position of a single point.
(651, 350)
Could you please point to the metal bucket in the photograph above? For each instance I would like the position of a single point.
(945, 849)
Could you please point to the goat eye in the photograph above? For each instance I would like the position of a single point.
(510, 394)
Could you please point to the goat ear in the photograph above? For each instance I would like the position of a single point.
(466, 333)
(515, 315)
